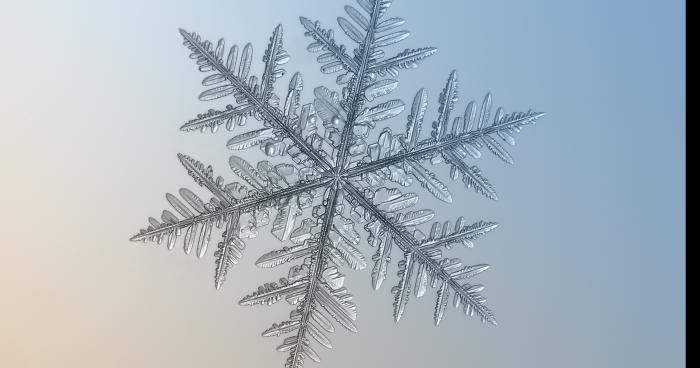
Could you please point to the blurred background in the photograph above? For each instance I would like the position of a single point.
(588, 264)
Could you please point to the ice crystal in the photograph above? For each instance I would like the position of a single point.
(329, 174)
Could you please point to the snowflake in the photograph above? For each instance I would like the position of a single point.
(333, 173)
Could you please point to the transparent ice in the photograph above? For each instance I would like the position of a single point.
(332, 179)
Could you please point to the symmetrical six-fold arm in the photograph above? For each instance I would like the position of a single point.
(339, 176)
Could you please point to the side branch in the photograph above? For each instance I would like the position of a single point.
(329, 44)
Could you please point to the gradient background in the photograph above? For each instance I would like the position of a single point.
(587, 267)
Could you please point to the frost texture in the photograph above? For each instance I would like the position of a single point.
(333, 178)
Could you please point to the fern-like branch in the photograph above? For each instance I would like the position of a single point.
(248, 204)
(270, 113)
(318, 262)
(408, 244)
(428, 148)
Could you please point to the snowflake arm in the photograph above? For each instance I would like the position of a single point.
(318, 262)
(313, 287)
(445, 271)
(255, 96)
(367, 45)
(466, 141)
(172, 226)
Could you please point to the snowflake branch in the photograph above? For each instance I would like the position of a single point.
(407, 243)
(317, 267)
(355, 99)
(269, 113)
(252, 202)
(428, 147)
